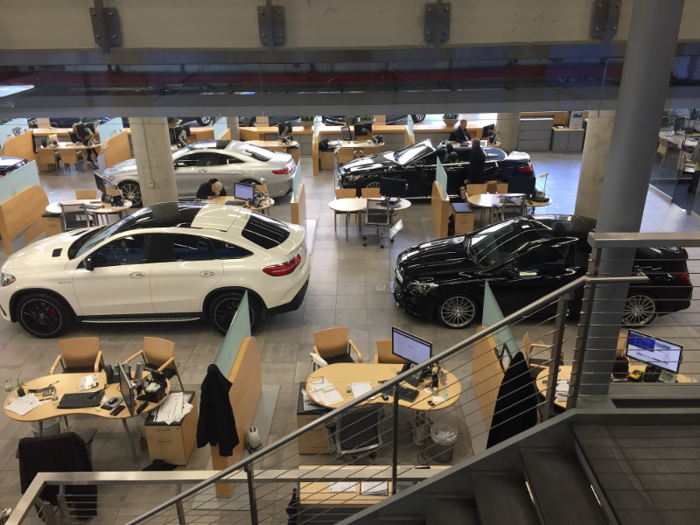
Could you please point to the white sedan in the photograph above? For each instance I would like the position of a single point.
(167, 262)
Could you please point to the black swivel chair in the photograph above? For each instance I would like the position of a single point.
(358, 431)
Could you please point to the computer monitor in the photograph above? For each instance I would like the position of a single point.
(654, 351)
(389, 187)
(126, 389)
(284, 129)
(363, 129)
(346, 133)
(100, 183)
(486, 133)
(409, 347)
(179, 134)
(243, 191)
(524, 185)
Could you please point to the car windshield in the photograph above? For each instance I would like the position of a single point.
(496, 243)
(85, 243)
(406, 155)
(258, 153)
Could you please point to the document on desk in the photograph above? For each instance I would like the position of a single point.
(88, 382)
(374, 488)
(360, 388)
(173, 409)
(343, 486)
(23, 405)
(325, 393)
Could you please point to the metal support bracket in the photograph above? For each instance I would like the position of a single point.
(271, 25)
(605, 19)
(106, 27)
(437, 23)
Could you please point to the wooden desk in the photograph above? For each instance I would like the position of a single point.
(275, 145)
(55, 207)
(357, 205)
(264, 205)
(342, 374)
(346, 149)
(68, 151)
(319, 493)
(67, 383)
(464, 217)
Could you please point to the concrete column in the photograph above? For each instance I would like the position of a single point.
(595, 159)
(154, 159)
(233, 128)
(640, 102)
(508, 126)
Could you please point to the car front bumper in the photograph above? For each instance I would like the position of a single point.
(415, 305)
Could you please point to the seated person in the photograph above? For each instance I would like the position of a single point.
(82, 134)
(461, 133)
(476, 163)
(211, 189)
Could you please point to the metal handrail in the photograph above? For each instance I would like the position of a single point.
(255, 456)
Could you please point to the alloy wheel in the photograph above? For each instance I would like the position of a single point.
(227, 308)
(640, 310)
(458, 311)
(132, 192)
(374, 184)
(41, 317)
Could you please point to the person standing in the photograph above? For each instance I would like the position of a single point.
(84, 136)
(461, 133)
(476, 163)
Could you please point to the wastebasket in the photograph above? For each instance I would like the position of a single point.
(443, 437)
(52, 427)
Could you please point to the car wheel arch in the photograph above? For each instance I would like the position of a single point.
(17, 297)
(219, 291)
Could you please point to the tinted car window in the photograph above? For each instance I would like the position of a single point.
(218, 159)
(226, 250)
(265, 231)
(127, 250)
(194, 159)
(544, 258)
(182, 247)
(495, 244)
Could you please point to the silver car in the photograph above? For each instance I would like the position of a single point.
(229, 161)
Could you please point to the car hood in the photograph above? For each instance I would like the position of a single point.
(42, 256)
(128, 167)
(436, 260)
(380, 161)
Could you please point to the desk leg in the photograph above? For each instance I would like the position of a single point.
(41, 428)
(131, 439)
(420, 429)
(347, 222)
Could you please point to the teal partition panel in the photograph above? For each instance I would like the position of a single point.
(239, 330)
(296, 181)
(409, 124)
(220, 127)
(7, 127)
(491, 315)
(18, 180)
(441, 176)
(110, 128)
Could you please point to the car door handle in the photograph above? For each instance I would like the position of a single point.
(137, 275)
(202, 171)
(206, 274)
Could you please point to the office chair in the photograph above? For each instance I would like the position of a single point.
(317, 361)
(86, 194)
(358, 431)
(79, 355)
(385, 355)
(159, 355)
(379, 216)
(527, 352)
(346, 134)
(334, 345)
(74, 216)
(371, 193)
(346, 194)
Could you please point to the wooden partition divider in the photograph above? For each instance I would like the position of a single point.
(245, 393)
(116, 149)
(24, 209)
(439, 211)
(249, 134)
(487, 376)
(315, 154)
(298, 207)
(21, 146)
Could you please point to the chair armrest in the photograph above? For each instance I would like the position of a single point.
(165, 365)
(317, 352)
(359, 355)
(98, 360)
(140, 352)
(55, 364)
(376, 359)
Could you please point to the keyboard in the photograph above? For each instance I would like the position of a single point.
(81, 400)
(407, 394)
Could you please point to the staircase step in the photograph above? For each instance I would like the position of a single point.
(450, 510)
(503, 499)
(561, 489)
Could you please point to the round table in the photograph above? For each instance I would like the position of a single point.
(105, 210)
(536, 204)
(357, 205)
(265, 205)
(489, 201)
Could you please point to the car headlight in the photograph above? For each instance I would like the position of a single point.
(352, 178)
(110, 179)
(421, 288)
(7, 279)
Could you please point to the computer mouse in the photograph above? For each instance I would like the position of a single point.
(385, 397)
(112, 400)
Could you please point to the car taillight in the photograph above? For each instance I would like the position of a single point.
(283, 269)
(683, 278)
(284, 171)
(526, 169)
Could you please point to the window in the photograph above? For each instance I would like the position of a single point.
(127, 250)
(265, 231)
(227, 250)
(182, 247)
(544, 258)
(199, 158)
(219, 159)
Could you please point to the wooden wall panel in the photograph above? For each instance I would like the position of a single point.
(21, 146)
(24, 209)
(439, 212)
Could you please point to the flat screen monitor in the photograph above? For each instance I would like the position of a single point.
(389, 187)
(524, 185)
(363, 129)
(127, 391)
(409, 347)
(654, 351)
(486, 133)
(243, 191)
(346, 133)
(284, 129)
(100, 183)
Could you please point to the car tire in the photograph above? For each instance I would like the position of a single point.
(373, 184)
(224, 306)
(43, 315)
(640, 309)
(205, 121)
(457, 311)
(418, 118)
(131, 191)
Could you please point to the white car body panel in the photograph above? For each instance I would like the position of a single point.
(114, 290)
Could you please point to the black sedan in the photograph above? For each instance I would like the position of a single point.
(417, 163)
(524, 259)
(349, 120)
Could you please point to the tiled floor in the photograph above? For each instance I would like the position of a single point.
(350, 286)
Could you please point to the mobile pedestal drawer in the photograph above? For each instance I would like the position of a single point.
(173, 443)
(316, 441)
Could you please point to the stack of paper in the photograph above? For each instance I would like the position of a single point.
(562, 391)
(374, 488)
(325, 393)
(309, 404)
(342, 486)
(173, 409)
(22, 405)
(360, 388)
(88, 382)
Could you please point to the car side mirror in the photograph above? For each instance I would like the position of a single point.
(89, 265)
(510, 271)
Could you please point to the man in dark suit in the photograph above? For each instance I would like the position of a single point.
(476, 163)
(461, 134)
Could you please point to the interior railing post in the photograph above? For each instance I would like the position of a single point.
(395, 437)
(556, 352)
(179, 507)
(251, 495)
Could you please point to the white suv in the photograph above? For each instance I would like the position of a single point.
(168, 262)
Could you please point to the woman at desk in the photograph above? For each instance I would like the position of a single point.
(82, 134)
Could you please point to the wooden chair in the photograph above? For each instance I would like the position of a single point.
(334, 346)
(492, 186)
(79, 355)
(371, 193)
(476, 189)
(345, 194)
(159, 355)
(385, 355)
(86, 194)
(502, 187)
(527, 352)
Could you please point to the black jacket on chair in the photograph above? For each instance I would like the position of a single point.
(62, 453)
(516, 406)
(217, 425)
